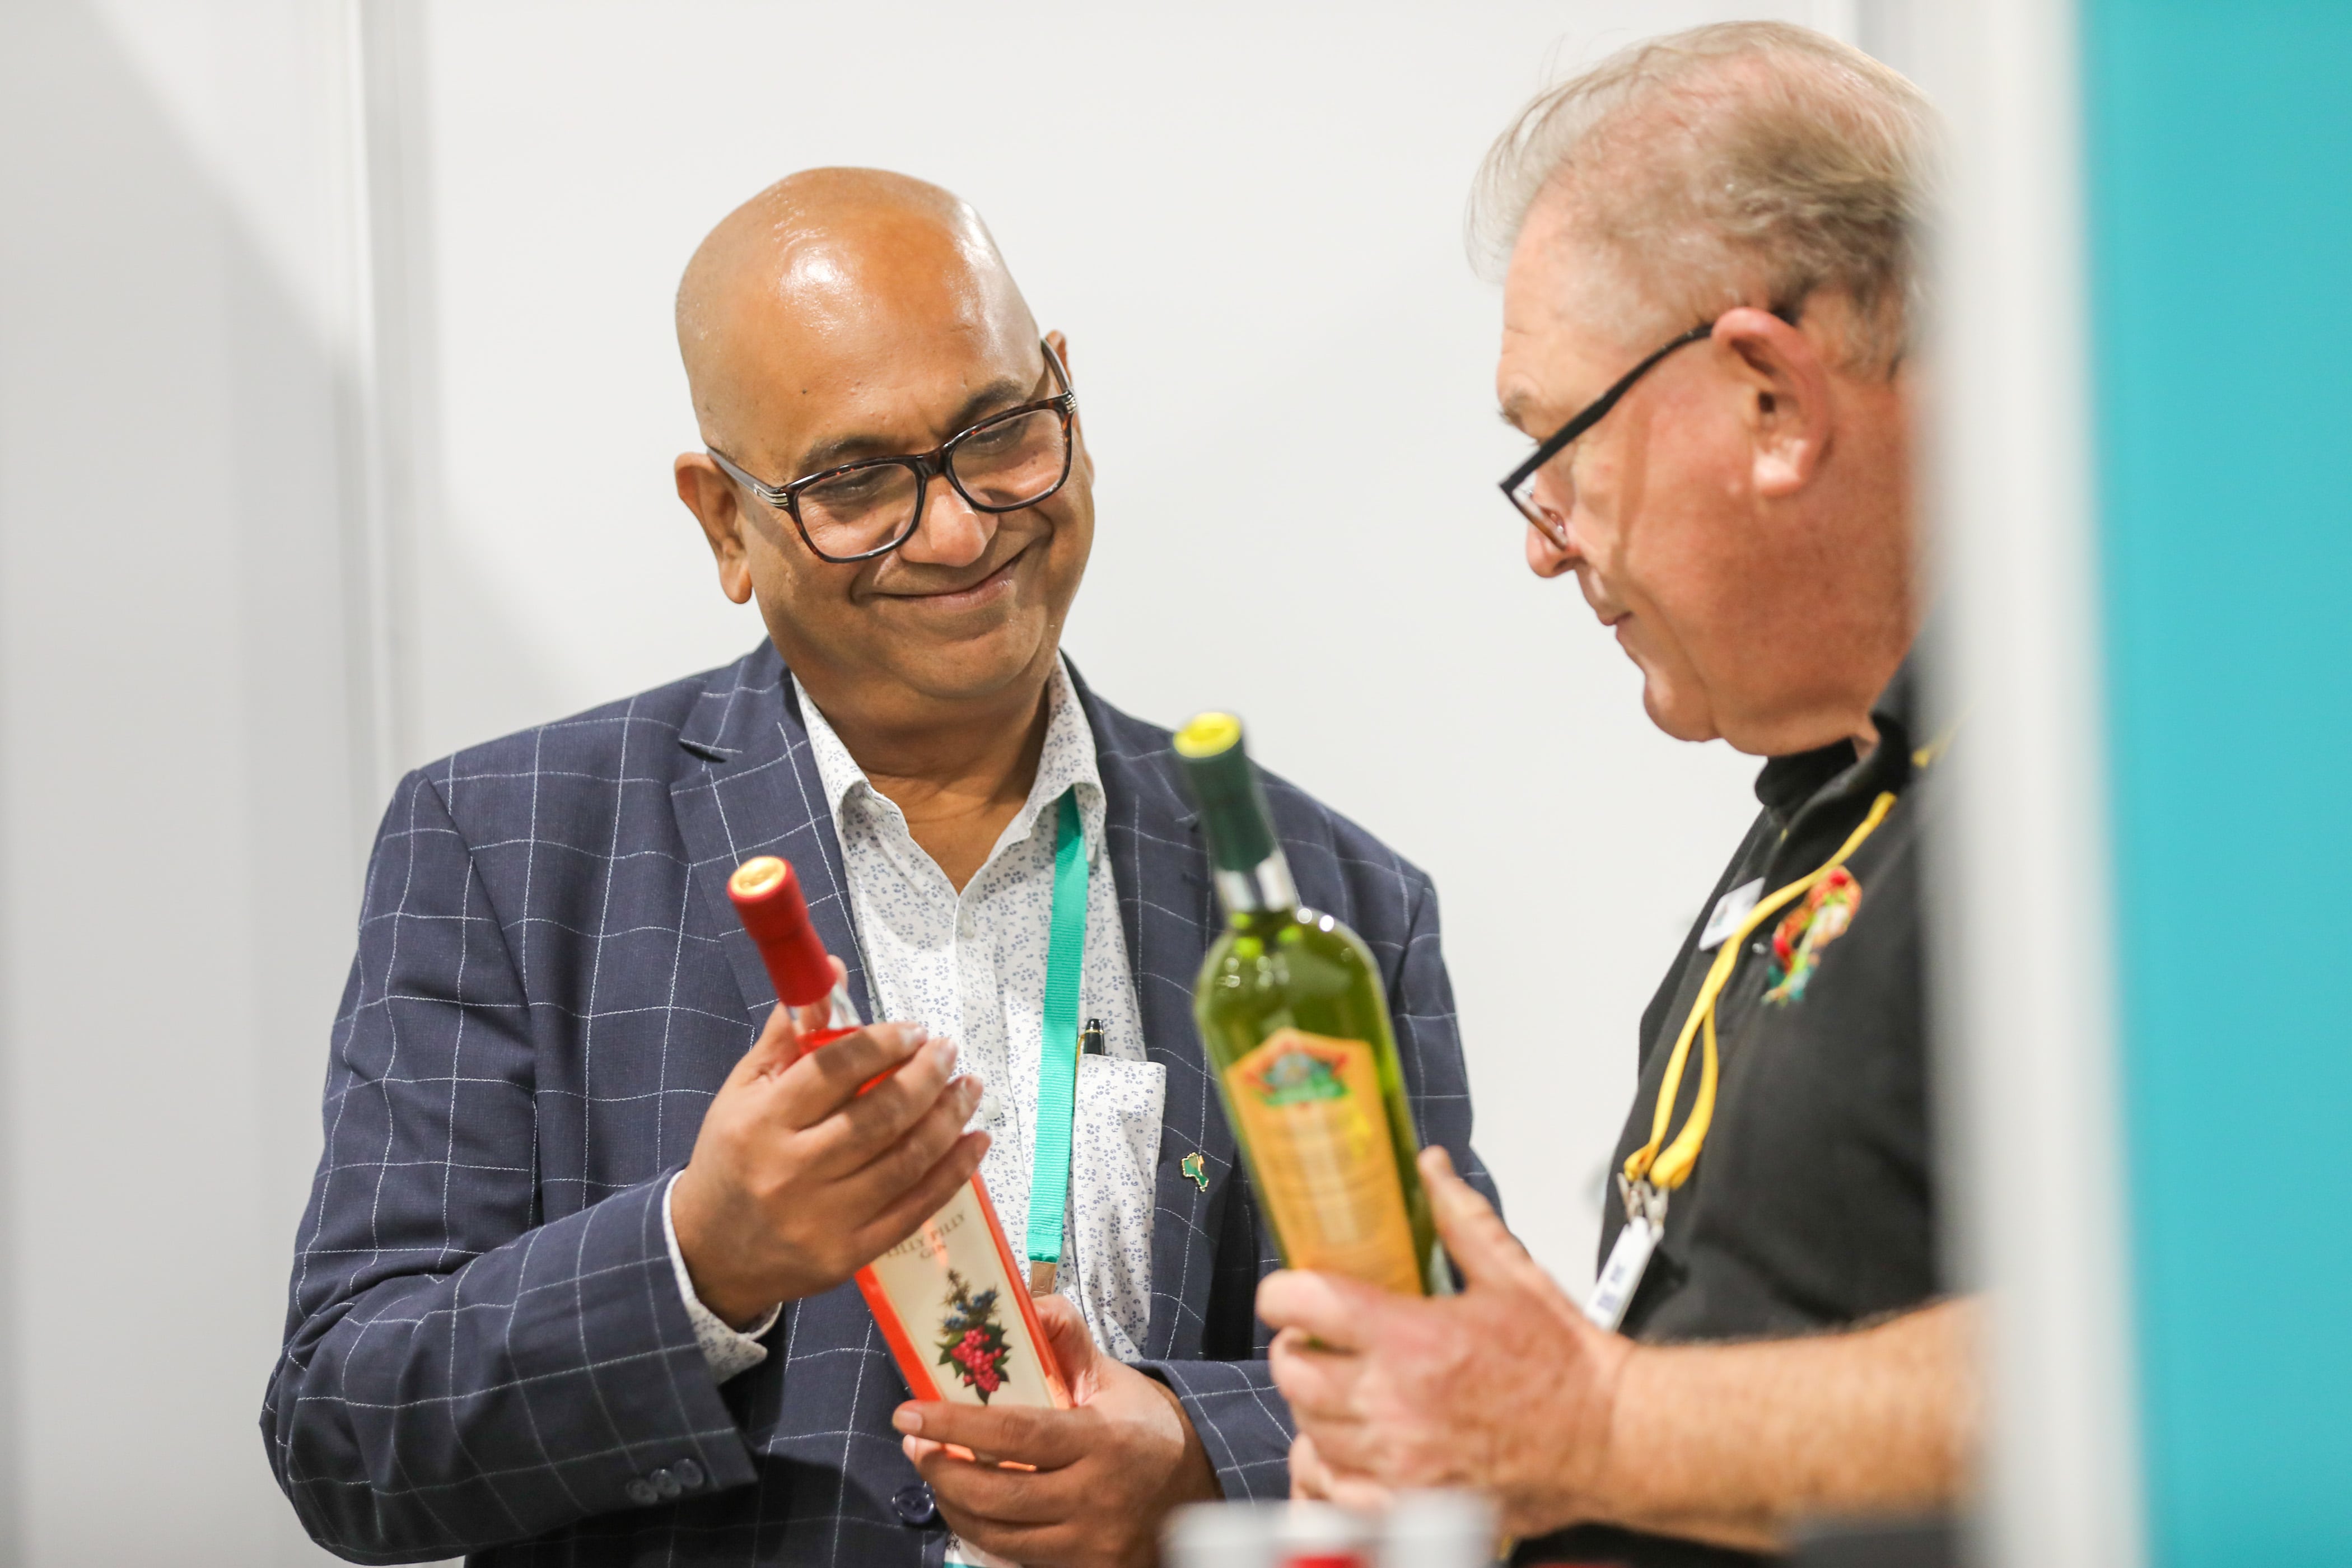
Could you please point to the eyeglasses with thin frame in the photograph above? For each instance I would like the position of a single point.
(855, 511)
(1519, 485)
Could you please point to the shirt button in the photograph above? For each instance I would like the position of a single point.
(689, 1474)
(992, 1108)
(915, 1506)
(665, 1483)
(640, 1491)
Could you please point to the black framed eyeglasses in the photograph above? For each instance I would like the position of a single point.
(858, 510)
(1519, 485)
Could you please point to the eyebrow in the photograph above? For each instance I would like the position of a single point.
(1004, 392)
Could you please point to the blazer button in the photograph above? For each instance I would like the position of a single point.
(665, 1483)
(689, 1474)
(640, 1491)
(914, 1505)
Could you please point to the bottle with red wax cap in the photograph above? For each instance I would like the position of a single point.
(950, 1302)
(768, 901)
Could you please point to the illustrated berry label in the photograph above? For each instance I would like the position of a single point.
(956, 1306)
(1310, 1110)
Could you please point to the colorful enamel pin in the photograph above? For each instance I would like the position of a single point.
(1196, 1168)
(1821, 917)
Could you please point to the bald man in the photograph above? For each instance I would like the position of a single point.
(574, 1284)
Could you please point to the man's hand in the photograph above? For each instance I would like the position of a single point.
(798, 1181)
(1506, 1388)
(1312, 1481)
(1106, 1472)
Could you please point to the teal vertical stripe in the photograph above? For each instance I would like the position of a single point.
(2219, 160)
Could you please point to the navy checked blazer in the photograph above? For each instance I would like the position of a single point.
(485, 1351)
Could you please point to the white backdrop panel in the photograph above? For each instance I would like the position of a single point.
(1248, 220)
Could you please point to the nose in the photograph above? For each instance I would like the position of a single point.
(951, 531)
(1546, 556)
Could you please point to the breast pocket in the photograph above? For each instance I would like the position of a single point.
(1114, 1150)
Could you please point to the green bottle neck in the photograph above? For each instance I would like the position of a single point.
(1264, 888)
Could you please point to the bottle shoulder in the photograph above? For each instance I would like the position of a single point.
(1262, 933)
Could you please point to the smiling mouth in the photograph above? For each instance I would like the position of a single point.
(953, 598)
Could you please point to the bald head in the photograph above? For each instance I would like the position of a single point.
(830, 272)
(849, 317)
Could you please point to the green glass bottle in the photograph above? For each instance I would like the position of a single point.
(1293, 1016)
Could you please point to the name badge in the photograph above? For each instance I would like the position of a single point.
(1621, 1275)
(1729, 911)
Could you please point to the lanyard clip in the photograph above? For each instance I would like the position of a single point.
(1642, 1202)
(1621, 1276)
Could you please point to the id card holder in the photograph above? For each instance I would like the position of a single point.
(1628, 1260)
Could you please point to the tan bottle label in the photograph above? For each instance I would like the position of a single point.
(1317, 1131)
(958, 1309)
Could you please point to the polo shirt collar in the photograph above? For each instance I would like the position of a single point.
(1786, 785)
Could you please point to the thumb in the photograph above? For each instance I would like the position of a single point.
(1309, 1481)
(1482, 1247)
(1071, 1344)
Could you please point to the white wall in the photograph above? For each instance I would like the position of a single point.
(176, 827)
(1248, 220)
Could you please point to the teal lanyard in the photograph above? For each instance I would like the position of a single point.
(1057, 1055)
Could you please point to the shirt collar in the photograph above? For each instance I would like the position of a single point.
(1787, 783)
(1069, 761)
(1896, 712)
(1068, 758)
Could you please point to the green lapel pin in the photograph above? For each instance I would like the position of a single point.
(1196, 1168)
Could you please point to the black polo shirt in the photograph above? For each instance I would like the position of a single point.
(1813, 1204)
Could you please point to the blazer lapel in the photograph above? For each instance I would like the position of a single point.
(756, 792)
(1167, 907)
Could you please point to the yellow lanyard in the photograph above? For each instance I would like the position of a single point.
(1671, 1169)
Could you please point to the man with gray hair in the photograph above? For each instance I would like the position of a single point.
(1710, 242)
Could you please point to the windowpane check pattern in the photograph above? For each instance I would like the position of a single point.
(486, 1350)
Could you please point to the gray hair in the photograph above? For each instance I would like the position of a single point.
(1712, 161)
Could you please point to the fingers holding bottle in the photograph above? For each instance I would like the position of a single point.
(797, 1180)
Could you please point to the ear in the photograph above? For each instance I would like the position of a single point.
(1061, 347)
(1785, 397)
(1085, 460)
(710, 496)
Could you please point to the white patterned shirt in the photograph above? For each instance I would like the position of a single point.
(971, 967)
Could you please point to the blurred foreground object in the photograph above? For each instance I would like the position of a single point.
(1419, 1530)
